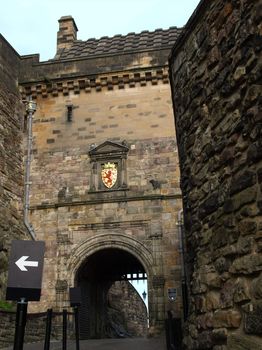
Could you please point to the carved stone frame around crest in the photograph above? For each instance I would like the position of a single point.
(108, 152)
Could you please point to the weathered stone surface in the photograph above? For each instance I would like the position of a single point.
(11, 157)
(247, 264)
(198, 285)
(254, 152)
(3, 261)
(226, 318)
(209, 206)
(204, 340)
(212, 279)
(212, 300)
(226, 294)
(247, 227)
(257, 287)
(205, 321)
(35, 327)
(125, 302)
(219, 238)
(215, 96)
(220, 347)
(219, 335)
(222, 264)
(242, 342)
(241, 291)
(200, 303)
(247, 179)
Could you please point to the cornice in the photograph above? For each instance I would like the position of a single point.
(95, 83)
(105, 200)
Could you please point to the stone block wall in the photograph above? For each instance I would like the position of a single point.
(11, 166)
(141, 116)
(215, 69)
(66, 213)
(86, 100)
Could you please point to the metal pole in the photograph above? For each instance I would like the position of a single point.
(64, 329)
(76, 327)
(183, 269)
(31, 108)
(171, 330)
(48, 329)
(20, 322)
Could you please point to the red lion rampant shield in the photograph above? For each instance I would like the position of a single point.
(109, 174)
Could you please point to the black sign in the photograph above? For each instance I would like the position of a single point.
(75, 296)
(172, 292)
(25, 270)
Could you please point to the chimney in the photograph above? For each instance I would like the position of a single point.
(67, 33)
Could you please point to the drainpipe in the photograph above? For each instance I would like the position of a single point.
(31, 108)
(183, 272)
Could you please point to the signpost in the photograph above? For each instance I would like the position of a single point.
(24, 281)
(75, 302)
(25, 270)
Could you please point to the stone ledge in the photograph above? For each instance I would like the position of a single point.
(88, 84)
(105, 200)
(109, 225)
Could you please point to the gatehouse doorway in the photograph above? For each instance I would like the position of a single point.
(111, 306)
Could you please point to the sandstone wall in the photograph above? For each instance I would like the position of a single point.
(11, 166)
(68, 214)
(216, 71)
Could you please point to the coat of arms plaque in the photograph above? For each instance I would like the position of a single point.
(109, 174)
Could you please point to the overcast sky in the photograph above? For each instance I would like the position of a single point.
(31, 26)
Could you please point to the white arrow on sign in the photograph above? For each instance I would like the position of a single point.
(22, 263)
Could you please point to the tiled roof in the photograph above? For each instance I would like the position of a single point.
(118, 44)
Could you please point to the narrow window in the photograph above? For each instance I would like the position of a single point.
(69, 113)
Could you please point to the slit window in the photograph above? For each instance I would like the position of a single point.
(69, 113)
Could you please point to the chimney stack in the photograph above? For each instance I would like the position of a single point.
(67, 33)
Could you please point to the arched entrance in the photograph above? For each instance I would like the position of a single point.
(102, 313)
(99, 261)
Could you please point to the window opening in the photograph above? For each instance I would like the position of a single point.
(69, 113)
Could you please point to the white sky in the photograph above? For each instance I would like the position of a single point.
(31, 26)
(141, 287)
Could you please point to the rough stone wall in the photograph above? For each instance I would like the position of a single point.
(11, 166)
(35, 327)
(128, 307)
(216, 75)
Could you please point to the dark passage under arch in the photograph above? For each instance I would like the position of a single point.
(98, 273)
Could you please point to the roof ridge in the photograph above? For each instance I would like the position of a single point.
(131, 33)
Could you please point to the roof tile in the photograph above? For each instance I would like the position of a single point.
(121, 43)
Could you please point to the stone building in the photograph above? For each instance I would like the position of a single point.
(215, 77)
(11, 153)
(105, 188)
(105, 193)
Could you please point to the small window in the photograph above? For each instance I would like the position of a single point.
(69, 113)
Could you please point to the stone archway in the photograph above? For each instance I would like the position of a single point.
(114, 240)
(100, 315)
(133, 247)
